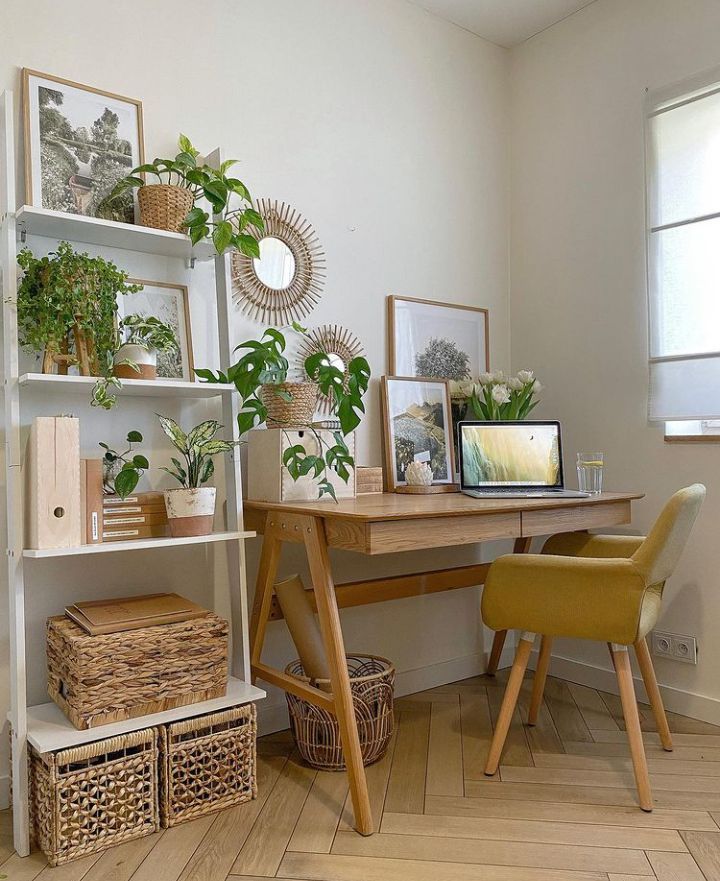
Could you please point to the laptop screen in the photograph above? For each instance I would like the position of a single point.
(510, 454)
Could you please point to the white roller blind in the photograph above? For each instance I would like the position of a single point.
(683, 138)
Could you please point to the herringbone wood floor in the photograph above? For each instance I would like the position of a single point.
(562, 809)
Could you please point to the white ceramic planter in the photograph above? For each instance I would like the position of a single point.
(146, 360)
(190, 511)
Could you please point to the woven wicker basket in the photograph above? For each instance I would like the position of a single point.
(299, 410)
(316, 732)
(206, 764)
(85, 799)
(100, 679)
(164, 207)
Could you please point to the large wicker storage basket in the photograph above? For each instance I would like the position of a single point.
(164, 207)
(85, 799)
(100, 679)
(289, 403)
(316, 732)
(206, 764)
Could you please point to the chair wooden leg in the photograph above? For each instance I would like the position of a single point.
(496, 651)
(541, 672)
(522, 656)
(621, 660)
(648, 674)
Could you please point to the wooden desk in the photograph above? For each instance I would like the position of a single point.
(386, 524)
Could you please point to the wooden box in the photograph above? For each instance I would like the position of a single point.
(207, 763)
(369, 479)
(268, 478)
(53, 507)
(106, 678)
(94, 796)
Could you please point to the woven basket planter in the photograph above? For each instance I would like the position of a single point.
(299, 410)
(206, 764)
(100, 679)
(164, 207)
(317, 733)
(94, 796)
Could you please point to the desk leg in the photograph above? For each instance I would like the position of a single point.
(324, 588)
(522, 546)
(264, 584)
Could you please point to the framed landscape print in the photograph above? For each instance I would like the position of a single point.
(169, 303)
(79, 141)
(416, 428)
(432, 339)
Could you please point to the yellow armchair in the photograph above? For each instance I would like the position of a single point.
(606, 588)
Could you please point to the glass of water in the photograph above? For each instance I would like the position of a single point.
(590, 472)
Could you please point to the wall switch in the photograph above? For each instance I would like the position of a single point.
(674, 646)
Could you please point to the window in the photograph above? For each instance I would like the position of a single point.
(683, 212)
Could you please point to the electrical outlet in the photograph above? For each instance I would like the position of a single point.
(674, 646)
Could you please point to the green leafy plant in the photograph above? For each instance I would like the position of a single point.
(149, 332)
(234, 222)
(132, 466)
(197, 447)
(264, 363)
(65, 291)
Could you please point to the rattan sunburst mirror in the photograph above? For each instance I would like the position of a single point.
(340, 344)
(284, 284)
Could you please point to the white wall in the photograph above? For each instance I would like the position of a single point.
(383, 125)
(578, 307)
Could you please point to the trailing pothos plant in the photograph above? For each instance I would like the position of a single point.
(264, 363)
(197, 446)
(234, 222)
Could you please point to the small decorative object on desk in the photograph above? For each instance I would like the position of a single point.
(100, 679)
(191, 509)
(316, 731)
(94, 796)
(590, 472)
(418, 474)
(369, 479)
(207, 763)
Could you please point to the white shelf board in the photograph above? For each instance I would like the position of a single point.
(147, 388)
(49, 729)
(110, 233)
(142, 544)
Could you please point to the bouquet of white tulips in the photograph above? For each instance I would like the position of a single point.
(495, 397)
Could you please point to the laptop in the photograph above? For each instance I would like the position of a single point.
(512, 460)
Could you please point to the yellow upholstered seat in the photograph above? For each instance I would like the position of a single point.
(606, 588)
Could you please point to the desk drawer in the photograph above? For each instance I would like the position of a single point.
(390, 536)
(573, 518)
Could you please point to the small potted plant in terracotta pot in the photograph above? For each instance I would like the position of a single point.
(191, 508)
(145, 336)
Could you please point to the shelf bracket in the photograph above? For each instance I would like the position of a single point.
(192, 262)
(23, 235)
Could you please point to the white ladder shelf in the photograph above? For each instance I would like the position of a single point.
(44, 726)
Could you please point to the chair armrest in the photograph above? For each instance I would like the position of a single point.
(582, 544)
(581, 597)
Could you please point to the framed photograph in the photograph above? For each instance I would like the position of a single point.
(79, 141)
(440, 340)
(416, 428)
(169, 303)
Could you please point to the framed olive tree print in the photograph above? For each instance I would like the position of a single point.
(79, 141)
(439, 340)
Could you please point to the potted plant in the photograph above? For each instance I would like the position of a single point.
(261, 378)
(191, 508)
(172, 202)
(67, 307)
(145, 336)
(122, 471)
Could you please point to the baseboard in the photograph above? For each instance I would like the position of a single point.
(274, 717)
(4, 791)
(686, 703)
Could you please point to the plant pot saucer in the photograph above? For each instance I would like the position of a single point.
(428, 490)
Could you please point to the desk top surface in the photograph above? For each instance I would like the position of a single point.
(399, 506)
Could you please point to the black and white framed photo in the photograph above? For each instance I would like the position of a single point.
(79, 141)
(416, 428)
(433, 339)
(169, 303)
